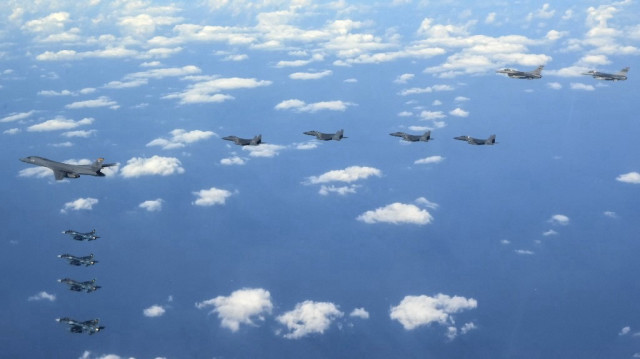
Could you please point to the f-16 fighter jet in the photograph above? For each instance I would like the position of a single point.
(244, 141)
(620, 76)
(87, 287)
(90, 326)
(327, 136)
(529, 75)
(79, 261)
(413, 138)
(477, 141)
(66, 170)
(79, 236)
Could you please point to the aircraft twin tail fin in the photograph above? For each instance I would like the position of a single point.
(491, 140)
(256, 140)
(624, 71)
(426, 137)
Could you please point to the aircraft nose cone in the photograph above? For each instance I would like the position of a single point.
(24, 159)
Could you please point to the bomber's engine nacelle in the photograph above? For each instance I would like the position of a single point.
(72, 175)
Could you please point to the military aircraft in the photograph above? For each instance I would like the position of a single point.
(89, 326)
(78, 261)
(327, 136)
(79, 236)
(413, 138)
(244, 141)
(620, 76)
(87, 286)
(477, 141)
(66, 170)
(529, 75)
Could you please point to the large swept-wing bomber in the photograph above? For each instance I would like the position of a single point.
(86, 286)
(75, 326)
(79, 261)
(256, 140)
(620, 76)
(477, 141)
(426, 137)
(79, 236)
(529, 75)
(65, 170)
(327, 136)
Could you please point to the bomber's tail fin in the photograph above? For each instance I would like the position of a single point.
(97, 165)
(491, 140)
(426, 137)
(624, 71)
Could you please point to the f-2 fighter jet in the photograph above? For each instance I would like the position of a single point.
(89, 326)
(477, 141)
(79, 261)
(87, 286)
(79, 236)
(327, 136)
(413, 138)
(65, 170)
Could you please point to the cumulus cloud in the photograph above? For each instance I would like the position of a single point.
(348, 175)
(17, 116)
(301, 106)
(397, 213)
(211, 196)
(458, 112)
(180, 138)
(11, 131)
(152, 205)
(80, 204)
(625, 331)
(234, 160)
(209, 90)
(610, 214)
(360, 313)
(416, 311)
(343, 190)
(310, 75)
(581, 86)
(404, 78)
(559, 219)
(425, 202)
(554, 85)
(264, 150)
(309, 317)
(631, 177)
(79, 133)
(429, 160)
(59, 123)
(550, 232)
(429, 89)
(524, 252)
(102, 101)
(432, 115)
(154, 166)
(154, 311)
(42, 296)
(241, 307)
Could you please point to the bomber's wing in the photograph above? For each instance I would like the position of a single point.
(75, 262)
(76, 288)
(76, 329)
(59, 174)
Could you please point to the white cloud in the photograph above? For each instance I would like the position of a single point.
(309, 317)
(359, 313)
(491, 18)
(581, 86)
(235, 160)
(404, 78)
(154, 166)
(301, 106)
(37, 172)
(524, 252)
(80, 133)
(165, 72)
(17, 116)
(42, 296)
(631, 177)
(397, 213)
(461, 99)
(405, 114)
(208, 90)
(180, 138)
(550, 232)
(12, 131)
(267, 150)
(458, 112)
(554, 85)
(559, 219)
(432, 115)
(102, 101)
(152, 205)
(416, 311)
(430, 160)
(429, 89)
(625, 331)
(348, 175)
(211, 196)
(425, 202)
(343, 191)
(126, 84)
(154, 311)
(241, 307)
(59, 123)
(310, 75)
(79, 204)
(51, 23)
(610, 214)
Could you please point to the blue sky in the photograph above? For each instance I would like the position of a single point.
(367, 247)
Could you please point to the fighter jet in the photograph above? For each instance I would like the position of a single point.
(477, 141)
(79, 236)
(66, 170)
(529, 75)
(244, 141)
(79, 261)
(90, 326)
(327, 136)
(620, 76)
(413, 138)
(87, 286)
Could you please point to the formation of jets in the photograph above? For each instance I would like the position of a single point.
(86, 286)
(620, 76)
(79, 236)
(89, 326)
(79, 261)
(65, 170)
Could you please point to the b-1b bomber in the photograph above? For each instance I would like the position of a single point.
(79, 236)
(87, 286)
(65, 170)
(327, 136)
(79, 261)
(426, 137)
(477, 141)
(89, 326)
